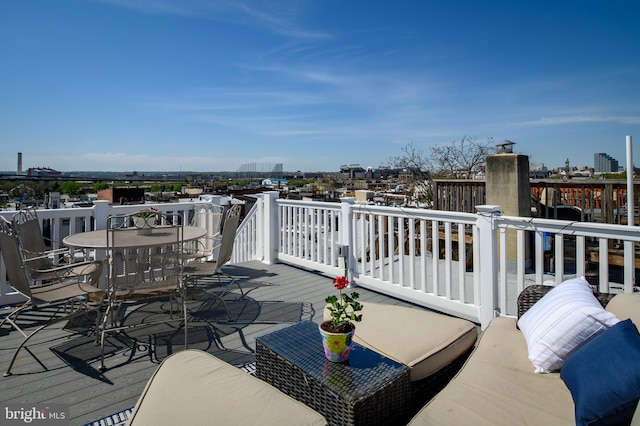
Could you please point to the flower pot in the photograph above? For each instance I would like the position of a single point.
(144, 225)
(337, 346)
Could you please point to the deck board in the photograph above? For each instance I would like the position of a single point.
(276, 295)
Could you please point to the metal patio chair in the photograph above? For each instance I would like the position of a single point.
(204, 216)
(143, 266)
(68, 288)
(201, 268)
(40, 259)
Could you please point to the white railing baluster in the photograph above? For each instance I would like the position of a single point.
(504, 273)
(448, 256)
(629, 267)
(521, 259)
(476, 265)
(412, 252)
(580, 256)
(462, 262)
(603, 266)
(400, 249)
(423, 256)
(435, 258)
(391, 236)
(559, 257)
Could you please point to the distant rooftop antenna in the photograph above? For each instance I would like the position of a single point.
(505, 147)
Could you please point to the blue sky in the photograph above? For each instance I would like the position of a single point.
(204, 85)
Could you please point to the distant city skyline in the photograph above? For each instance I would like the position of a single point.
(602, 162)
(201, 85)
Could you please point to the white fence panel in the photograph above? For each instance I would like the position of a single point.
(309, 235)
(424, 256)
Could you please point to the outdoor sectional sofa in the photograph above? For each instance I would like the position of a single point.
(498, 385)
(194, 387)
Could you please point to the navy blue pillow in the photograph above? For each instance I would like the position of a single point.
(604, 376)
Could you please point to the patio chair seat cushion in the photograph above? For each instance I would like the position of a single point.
(425, 341)
(193, 387)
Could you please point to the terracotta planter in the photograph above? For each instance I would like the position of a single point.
(337, 346)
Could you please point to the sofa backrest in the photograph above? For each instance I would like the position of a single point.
(626, 306)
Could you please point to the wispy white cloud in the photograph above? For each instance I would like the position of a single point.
(279, 20)
(201, 8)
(387, 104)
(310, 132)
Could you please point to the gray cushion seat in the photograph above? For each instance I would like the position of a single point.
(193, 387)
(425, 341)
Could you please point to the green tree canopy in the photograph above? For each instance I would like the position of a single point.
(70, 187)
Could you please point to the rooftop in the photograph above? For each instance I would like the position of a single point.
(413, 254)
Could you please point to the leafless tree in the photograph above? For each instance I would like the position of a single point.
(412, 160)
(455, 160)
(461, 159)
(417, 174)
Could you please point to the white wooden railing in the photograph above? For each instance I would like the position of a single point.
(464, 264)
(468, 265)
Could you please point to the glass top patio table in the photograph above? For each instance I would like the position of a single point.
(367, 389)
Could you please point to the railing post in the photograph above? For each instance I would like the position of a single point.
(101, 209)
(270, 225)
(347, 236)
(488, 262)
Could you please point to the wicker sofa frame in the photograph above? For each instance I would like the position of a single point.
(533, 293)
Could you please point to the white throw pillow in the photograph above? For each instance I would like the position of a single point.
(562, 321)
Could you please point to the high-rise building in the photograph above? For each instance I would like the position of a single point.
(604, 163)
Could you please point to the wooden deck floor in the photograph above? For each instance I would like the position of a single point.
(66, 369)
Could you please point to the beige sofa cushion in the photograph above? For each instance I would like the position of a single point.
(425, 341)
(635, 421)
(626, 306)
(497, 386)
(195, 388)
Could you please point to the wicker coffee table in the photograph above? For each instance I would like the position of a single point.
(369, 389)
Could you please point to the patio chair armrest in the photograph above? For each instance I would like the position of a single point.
(79, 269)
(198, 250)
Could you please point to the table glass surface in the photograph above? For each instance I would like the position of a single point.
(129, 238)
(362, 374)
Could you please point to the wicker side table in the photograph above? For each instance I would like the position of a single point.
(369, 389)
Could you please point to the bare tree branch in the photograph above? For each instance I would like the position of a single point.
(463, 159)
(417, 174)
